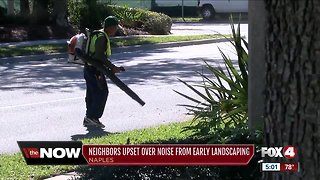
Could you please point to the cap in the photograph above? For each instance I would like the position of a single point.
(110, 21)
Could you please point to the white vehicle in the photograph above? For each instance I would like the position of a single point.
(173, 3)
(209, 8)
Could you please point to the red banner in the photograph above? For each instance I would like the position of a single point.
(168, 154)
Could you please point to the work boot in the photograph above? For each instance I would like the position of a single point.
(92, 122)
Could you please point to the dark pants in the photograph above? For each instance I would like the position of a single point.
(97, 92)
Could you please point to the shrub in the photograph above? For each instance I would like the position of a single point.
(220, 116)
(158, 23)
(224, 99)
(152, 22)
(91, 16)
(129, 17)
(75, 10)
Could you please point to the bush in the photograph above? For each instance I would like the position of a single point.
(75, 11)
(220, 117)
(158, 23)
(225, 96)
(152, 22)
(129, 17)
(91, 16)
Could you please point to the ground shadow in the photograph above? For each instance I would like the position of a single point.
(55, 74)
(93, 132)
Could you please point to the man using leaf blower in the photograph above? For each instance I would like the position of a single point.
(97, 88)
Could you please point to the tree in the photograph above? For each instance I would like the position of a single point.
(292, 83)
(60, 12)
(53, 11)
(10, 7)
(24, 7)
(93, 16)
(40, 11)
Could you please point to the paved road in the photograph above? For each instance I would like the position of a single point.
(205, 28)
(44, 100)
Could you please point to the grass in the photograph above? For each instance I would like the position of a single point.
(14, 166)
(187, 19)
(116, 42)
(32, 50)
(145, 136)
(160, 39)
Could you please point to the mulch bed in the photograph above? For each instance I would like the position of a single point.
(15, 33)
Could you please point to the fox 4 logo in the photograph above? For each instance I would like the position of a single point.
(279, 152)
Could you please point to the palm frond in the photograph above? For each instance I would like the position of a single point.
(223, 93)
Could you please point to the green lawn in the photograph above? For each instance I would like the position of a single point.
(116, 42)
(32, 50)
(14, 166)
(187, 19)
(160, 39)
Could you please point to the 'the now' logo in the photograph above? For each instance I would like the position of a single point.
(52, 152)
(289, 152)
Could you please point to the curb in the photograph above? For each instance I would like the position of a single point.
(114, 50)
(39, 57)
(36, 42)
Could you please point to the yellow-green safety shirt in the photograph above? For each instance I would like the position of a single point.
(92, 48)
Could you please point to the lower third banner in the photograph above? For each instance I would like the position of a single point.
(74, 152)
(167, 154)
